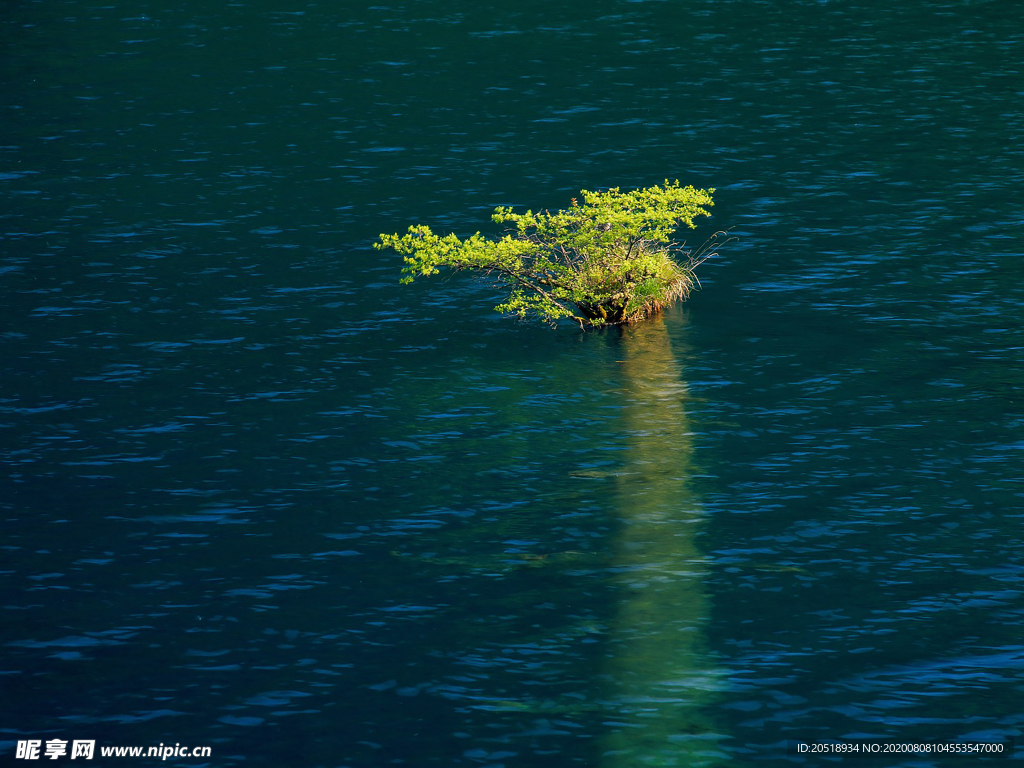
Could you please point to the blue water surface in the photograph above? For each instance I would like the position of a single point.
(258, 496)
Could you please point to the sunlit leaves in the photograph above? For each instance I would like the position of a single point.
(606, 259)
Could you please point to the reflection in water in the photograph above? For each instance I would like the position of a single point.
(660, 676)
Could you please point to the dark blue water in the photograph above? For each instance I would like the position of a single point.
(258, 496)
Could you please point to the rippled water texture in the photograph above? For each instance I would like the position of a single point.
(258, 496)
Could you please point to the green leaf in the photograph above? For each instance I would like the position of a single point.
(607, 259)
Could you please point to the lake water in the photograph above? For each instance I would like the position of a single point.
(257, 496)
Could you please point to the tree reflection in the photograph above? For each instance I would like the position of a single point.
(661, 680)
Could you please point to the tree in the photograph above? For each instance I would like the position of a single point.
(608, 260)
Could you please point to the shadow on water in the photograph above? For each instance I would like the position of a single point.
(661, 678)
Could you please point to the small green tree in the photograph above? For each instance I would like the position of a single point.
(607, 260)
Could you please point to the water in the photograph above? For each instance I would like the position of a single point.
(259, 497)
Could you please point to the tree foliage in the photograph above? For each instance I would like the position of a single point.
(609, 259)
